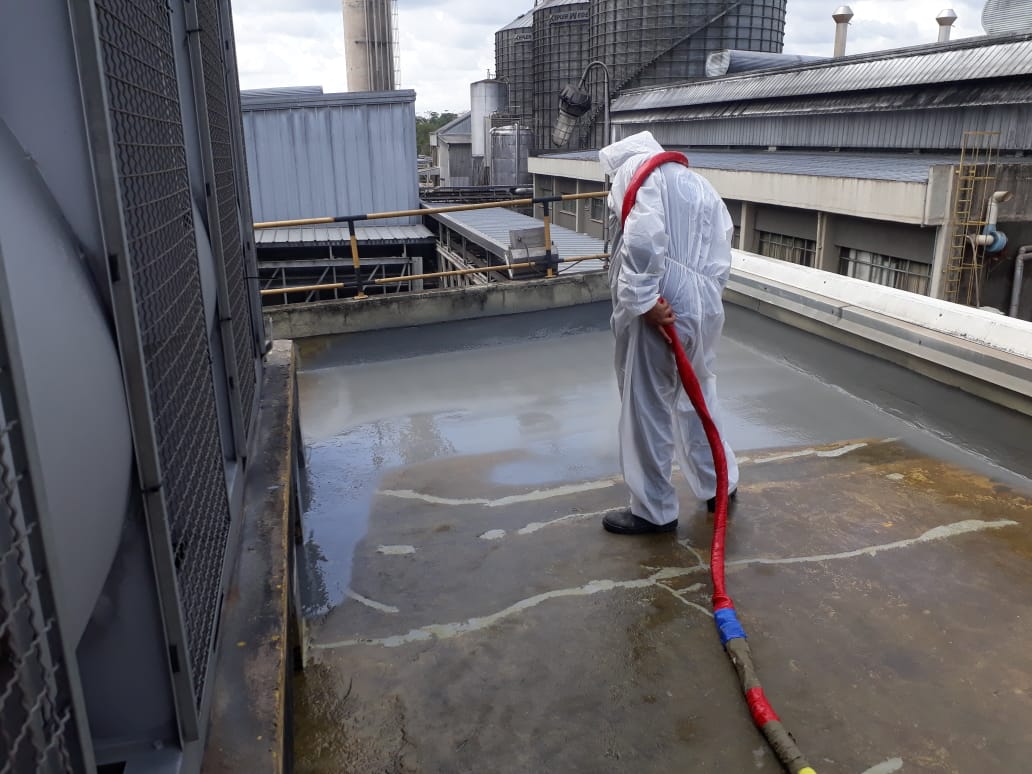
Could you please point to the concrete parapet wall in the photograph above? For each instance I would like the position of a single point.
(400, 310)
(983, 353)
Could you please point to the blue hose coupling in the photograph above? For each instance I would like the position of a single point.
(728, 626)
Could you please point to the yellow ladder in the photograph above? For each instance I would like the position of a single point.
(975, 180)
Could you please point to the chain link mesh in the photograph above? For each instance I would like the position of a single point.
(136, 45)
(36, 728)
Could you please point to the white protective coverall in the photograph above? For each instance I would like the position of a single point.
(676, 243)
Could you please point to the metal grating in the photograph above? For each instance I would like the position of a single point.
(136, 46)
(216, 99)
(37, 730)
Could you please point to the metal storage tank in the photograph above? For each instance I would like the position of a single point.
(666, 41)
(514, 64)
(486, 98)
(510, 147)
(560, 54)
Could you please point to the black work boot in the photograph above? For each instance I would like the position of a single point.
(626, 523)
(711, 504)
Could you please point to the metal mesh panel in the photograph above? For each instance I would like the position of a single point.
(219, 118)
(146, 124)
(560, 47)
(37, 732)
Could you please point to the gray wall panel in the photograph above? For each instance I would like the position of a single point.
(317, 157)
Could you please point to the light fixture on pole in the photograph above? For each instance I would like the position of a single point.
(574, 102)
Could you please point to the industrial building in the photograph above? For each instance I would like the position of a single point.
(311, 154)
(881, 166)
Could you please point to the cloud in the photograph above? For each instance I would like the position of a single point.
(448, 44)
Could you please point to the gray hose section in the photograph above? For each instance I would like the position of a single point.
(777, 735)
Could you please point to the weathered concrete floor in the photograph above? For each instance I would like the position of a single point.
(470, 615)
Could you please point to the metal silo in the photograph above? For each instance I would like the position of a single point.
(514, 64)
(560, 54)
(657, 42)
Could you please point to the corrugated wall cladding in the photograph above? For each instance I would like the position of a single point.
(903, 129)
(342, 156)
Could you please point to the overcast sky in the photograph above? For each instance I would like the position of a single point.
(448, 44)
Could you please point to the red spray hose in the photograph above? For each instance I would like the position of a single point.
(732, 635)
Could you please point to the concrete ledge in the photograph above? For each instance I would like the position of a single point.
(249, 728)
(981, 353)
(323, 318)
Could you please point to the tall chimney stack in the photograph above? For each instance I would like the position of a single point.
(947, 18)
(842, 17)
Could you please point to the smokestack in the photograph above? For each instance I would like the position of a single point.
(842, 17)
(947, 18)
(369, 44)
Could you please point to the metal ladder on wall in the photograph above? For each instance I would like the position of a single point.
(976, 178)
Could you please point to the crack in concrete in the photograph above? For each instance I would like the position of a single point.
(526, 497)
(371, 603)
(451, 630)
(832, 451)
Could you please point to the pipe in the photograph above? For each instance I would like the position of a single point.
(947, 18)
(479, 269)
(301, 289)
(842, 16)
(991, 238)
(1024, 254)
(322, 221)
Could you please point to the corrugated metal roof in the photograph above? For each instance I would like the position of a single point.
(936, 64)
(301, 98)
(326, 235)
(899, 167)
(278, 92)
(526, 20)
(553, 3)
(460, 125)
(490, 229)
(331, 155)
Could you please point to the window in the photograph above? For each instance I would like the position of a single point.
(736, 238)
(885, 270)
(598, 209)
(544, 186)
(788, 248)
(569, 206)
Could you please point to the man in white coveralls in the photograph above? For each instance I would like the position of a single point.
(670, 263)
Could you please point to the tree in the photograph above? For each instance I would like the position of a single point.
(426, 124)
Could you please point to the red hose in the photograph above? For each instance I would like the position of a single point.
(721, 600)
(732, 635)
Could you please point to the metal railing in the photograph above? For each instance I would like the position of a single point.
(549, 261)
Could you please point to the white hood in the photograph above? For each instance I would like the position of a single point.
(619, 153)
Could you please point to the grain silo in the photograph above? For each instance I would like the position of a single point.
(514, 64)
(560, 54)
(666, 41)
